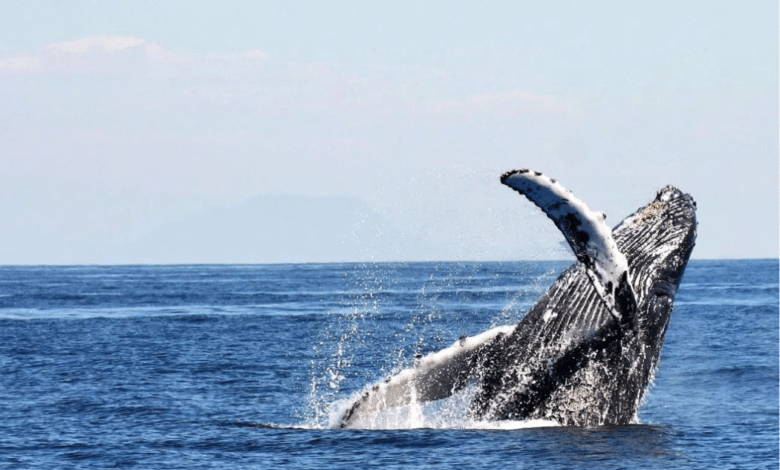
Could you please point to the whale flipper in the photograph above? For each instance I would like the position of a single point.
(433, 377)
(588, 236)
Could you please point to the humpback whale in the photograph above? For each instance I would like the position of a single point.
(585, 353)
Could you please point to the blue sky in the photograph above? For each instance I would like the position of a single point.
(119, 118)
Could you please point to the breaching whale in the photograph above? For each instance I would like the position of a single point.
(587, 350)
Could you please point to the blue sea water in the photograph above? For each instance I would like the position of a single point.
(241, 366)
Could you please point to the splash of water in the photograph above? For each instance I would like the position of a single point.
(334, 360)
(448, 413)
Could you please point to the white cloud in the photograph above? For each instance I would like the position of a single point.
(21, 64)
(94, 44)
(100, 54)
(255, 54)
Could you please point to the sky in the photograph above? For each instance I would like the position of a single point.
(119, 119)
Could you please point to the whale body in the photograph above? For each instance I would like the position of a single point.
(586, 352)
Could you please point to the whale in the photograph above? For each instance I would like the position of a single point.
(588, 349)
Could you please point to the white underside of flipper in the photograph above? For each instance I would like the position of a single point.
(586, 232)
(433, 377)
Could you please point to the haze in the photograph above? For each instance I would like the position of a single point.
(188, 131)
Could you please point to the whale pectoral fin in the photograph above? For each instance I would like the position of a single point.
(426, 382)
(394, 391)
(435, 376)
(588, 236)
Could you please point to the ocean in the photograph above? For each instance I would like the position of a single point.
(243, 366)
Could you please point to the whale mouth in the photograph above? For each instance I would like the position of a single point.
(664, 287)
(669, 192)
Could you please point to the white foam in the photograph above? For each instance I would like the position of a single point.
(449, 413)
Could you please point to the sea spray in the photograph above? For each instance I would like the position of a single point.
(437, 304)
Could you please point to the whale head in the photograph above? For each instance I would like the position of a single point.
(657, 241)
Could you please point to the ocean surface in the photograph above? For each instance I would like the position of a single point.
(243, 366)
